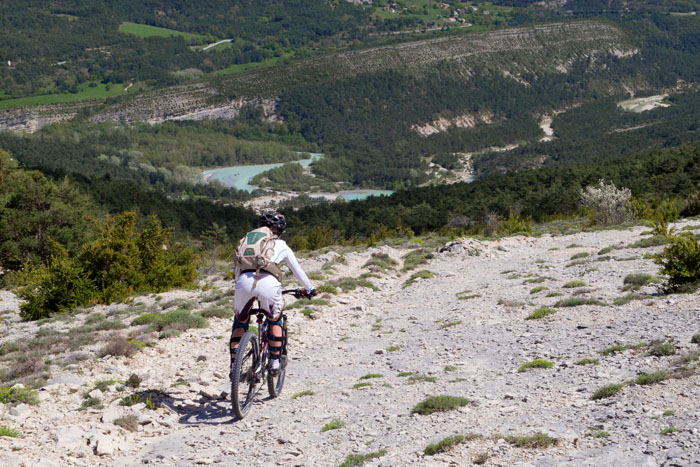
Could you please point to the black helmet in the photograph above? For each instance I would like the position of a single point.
(273, 219)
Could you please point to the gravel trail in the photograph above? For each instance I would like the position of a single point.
(461, 332)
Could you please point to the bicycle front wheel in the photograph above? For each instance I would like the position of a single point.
(244, 374)
(275, 383)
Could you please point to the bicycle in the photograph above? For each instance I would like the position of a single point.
(250, 366)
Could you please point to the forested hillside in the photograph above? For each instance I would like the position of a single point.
(394, 99)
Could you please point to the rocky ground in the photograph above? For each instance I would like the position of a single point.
(460, 331)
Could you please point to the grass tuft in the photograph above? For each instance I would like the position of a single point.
(442, 446)
(372, 376)
(537, 289)
(574, 284)
(541, 312)
(440, 404)
(662, 349)
(422, 274)
(334, 425)
(650, 378)
(358, 459)
(535, 364)
(607, 391)
(9, 432)
(128, 422)
(299, 394)
(538, 440)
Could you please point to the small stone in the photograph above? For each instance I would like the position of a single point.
(380, 352)
(202, 358)
(19, 410)
(95, 393)
(104, 446)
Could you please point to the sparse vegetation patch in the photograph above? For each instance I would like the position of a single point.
(440, 404)
(535, 364)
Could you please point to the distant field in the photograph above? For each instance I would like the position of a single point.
(86, 92)
(144, 30)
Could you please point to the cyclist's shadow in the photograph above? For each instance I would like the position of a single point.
(214, 412)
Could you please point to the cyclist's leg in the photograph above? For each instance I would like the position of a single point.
(240, 321)
(270, 295)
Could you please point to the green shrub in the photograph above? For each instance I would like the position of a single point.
(607, 391)
(59, 285)
(540, 313)
(92, 402)
(606, 250)
(381, 261)
(515, 224)
(662, 349)
(393, 348)
(148, 318)
(334, 425)
(538, 440)
(358, 459)
(415, 258)
(635, 281)
(350, 283)
(444, 445)
(118, 262)
(579, 256)
(668, 430)
(9, 432)
(537, 289)
(650, 378)
(11, 396)
(695, 339)
(574, 284)
(423, 274)
(439, 404)
(169, 333)
(680, 261)
(535, 364)
(179, 319)
(328, 288)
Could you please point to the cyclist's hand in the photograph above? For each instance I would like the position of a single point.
(306, 293)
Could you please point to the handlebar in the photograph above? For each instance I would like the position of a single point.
(300, 293)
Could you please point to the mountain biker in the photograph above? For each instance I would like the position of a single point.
(265, 286)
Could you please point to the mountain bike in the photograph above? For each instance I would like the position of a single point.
(250, 368)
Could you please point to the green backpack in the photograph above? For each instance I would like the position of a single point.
(255, 252)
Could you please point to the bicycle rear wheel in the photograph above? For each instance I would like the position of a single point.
(275, 383)
(244, 377)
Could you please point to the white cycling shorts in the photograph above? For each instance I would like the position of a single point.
(268, 291)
